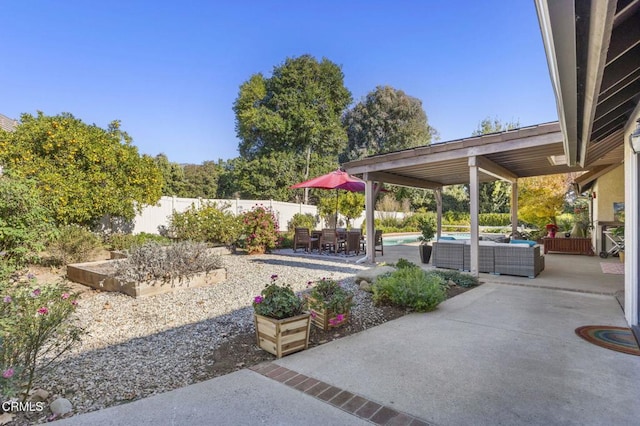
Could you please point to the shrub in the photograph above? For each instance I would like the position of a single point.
(119, 241)
(153, 262)
(494, 219)
(411, 288)
(25, 225)
(277, 301)
(286, 239)
(456, 218)
(404, 263)
(300, 220)
(461, 279)
(73, 244)
(209, 223)
(261, 229)
(35, 330)
(412, 222)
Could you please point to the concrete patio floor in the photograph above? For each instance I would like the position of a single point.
(504, 353)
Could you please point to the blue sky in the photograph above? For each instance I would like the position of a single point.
(170, 71)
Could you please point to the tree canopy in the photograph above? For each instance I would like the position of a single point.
(82, 171)
(296, 109)
(386, 120)
(541, 198)
(495, 197)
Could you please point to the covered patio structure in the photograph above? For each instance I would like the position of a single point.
(510, 155)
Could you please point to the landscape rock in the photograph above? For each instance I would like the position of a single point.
(39, 395)
(365, 286)
(370, 275)
(61, 406)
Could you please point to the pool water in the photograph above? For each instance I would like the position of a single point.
(395, 240)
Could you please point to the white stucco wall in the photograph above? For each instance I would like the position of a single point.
(632, 230)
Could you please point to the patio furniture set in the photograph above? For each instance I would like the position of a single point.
(521, 259)
(334, 241)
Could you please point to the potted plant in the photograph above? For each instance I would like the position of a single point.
(282, 325)
(427, 225)
(329, 303)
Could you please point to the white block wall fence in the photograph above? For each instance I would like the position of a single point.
(153, 218)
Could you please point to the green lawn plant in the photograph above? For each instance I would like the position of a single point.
(278, 301)
(73, 244)
(124, 242)
(25, 225)
(410, 288)
(459, 278)
(302, 220)
(36, 329)
(210, 223)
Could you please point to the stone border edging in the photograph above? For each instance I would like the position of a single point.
(346, 401)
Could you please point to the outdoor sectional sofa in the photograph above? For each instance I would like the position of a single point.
(494, 258)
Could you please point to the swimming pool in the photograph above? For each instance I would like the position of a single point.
(394, 240)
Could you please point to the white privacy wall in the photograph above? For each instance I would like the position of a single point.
(154, 217)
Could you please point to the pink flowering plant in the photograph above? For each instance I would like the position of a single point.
(36, 329)
(278, 301)
(330, 296)
(261, 230)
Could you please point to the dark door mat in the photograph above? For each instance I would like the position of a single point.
(619, 339)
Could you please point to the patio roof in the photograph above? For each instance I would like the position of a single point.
(528, 151)
(593, 52)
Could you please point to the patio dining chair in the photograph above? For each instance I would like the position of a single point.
(353, 242)
(302, 238)
(329, 240)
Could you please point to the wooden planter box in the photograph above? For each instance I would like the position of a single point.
(321, 318)
(282, 337)
(568, 245)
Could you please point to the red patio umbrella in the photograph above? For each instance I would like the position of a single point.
(334, 180)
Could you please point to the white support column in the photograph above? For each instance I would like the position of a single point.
(514, 206)
(474, 207)
(438, 193)
(370, 206)
(631, 234)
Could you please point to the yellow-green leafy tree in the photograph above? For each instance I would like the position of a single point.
(82, 171)
(541, 198)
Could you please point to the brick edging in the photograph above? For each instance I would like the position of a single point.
(346, 401)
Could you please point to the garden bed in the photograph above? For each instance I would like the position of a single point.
(98, 275)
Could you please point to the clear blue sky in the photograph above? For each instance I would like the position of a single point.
(171, 70)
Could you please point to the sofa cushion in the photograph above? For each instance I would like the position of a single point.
(527, 242)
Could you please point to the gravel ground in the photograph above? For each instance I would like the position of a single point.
(140, 347)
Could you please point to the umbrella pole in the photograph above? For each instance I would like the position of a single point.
(335, 226)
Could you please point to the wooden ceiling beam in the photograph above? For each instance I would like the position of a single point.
(493, 169)
(403, 180)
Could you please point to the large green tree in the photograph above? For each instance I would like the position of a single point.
(386, 120)
(82, 171)
(173, 180)
(265, 177)
(201, 180)
(296, 110)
